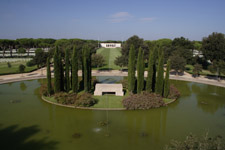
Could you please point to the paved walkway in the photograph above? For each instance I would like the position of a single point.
(41, 73)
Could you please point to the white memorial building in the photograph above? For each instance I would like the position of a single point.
(110, 45)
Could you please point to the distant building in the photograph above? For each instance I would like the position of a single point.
(110, 45)
(197, 53)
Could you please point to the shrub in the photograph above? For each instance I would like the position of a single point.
(44, 90)
(30, 63)
(174, 93)
(21, 68)
(85, 100)
(65, 98)
(143, 101)
(193, 142)
(9, 64)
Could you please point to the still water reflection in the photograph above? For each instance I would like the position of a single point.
(200, 108)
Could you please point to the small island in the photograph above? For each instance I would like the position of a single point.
(137, 90)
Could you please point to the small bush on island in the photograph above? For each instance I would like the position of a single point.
(44, 90)
(65, 98)
(79, 100)
(143, 101)
(174, 93)
(193, 142)
(85, 100)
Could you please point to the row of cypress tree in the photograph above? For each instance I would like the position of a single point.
(62, 79)
(155, 81)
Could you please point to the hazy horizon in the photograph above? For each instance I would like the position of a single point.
(111, 20)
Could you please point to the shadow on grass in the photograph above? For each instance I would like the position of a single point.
(15, 138)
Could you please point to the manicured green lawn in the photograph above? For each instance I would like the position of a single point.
(14, 67)
(167, 100)
(108, 101)
(110, 55)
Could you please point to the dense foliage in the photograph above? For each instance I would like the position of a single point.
(178, 63)
(131, 69)
(213, 48)
(143, 101)
(160, 74)
(74, 70)
(150, 86)
(85, 100)
(79, 100)
(193, 142)
(140, 71)
(49, 81)
(166, 90)
(97, 60)
(174, 93)
(21, 68)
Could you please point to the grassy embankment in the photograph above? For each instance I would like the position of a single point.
(4, 69)
(189, 69)
(110, 55)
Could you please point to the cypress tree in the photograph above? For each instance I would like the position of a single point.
(160, 72)
(154, 68)
(149, 83)
(75, 70)
(61, 73)
(85, 68)
(167, 81)
(131, 69)
(57, 72)
(140, 71)
(67, 71)
(49, 83)
(89, 67)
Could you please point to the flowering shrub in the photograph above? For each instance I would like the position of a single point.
(143, 101)
(85, 100)
(82, 100)
(174, 93)
(65, 98)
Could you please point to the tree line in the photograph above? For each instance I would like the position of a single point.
(155, 81)
(66, 71)
(180, 52)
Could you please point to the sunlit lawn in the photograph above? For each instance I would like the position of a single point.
(4, 69)
(110, 55)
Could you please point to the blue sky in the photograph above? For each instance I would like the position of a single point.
(111, 19)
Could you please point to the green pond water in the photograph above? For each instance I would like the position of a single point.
(27, 122)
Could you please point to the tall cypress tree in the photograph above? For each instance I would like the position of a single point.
(61, 73)
(85, 68)
(150, 71)
(160, 72)
(49, 83)
(131, 69)
(140, 71)
(154, 69)
(167, 81)
(75, 70)
(89, 67)
(57, 72)
(67, 71)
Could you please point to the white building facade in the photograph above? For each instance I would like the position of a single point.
(110, 45)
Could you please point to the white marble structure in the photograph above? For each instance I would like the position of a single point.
(110, 45)
(111, 88)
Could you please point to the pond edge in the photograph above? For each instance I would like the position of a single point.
(89, 108)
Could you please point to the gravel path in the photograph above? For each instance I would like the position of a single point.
(41, 73)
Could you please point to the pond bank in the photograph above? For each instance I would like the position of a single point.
(41, 73)
(90, 108)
